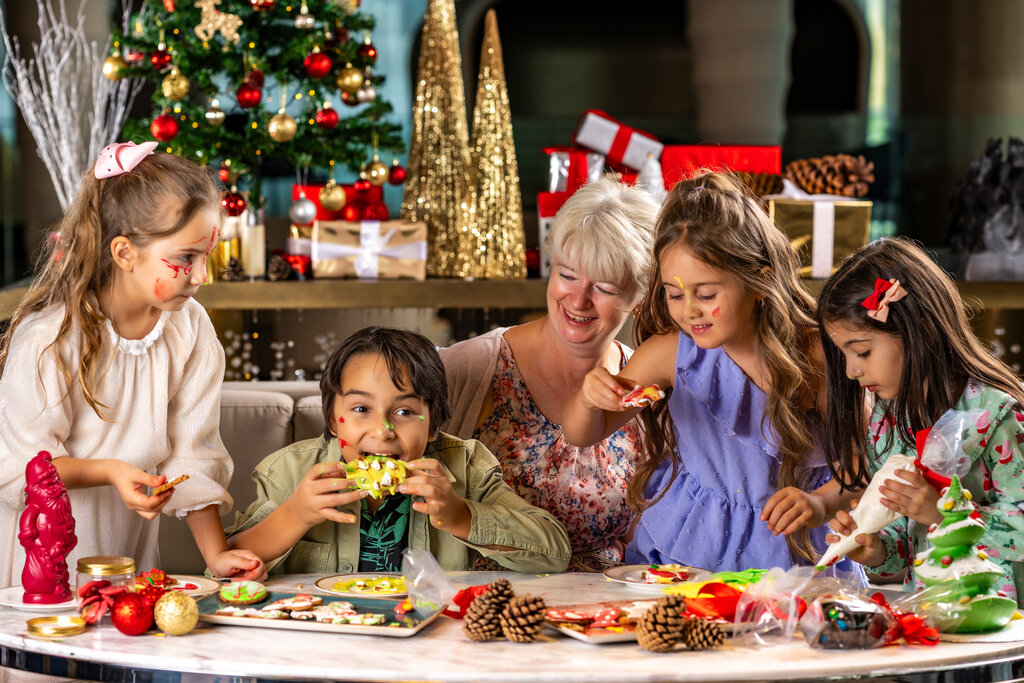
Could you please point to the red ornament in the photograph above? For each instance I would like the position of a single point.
(396, 175)
(262, 5)
(224, 174)
(160, 59)
(351, 213)
(362, 185)
(533, 260)
(164, 128)
(150, 594)
(248, 96)
(350, 99)
(255, 78)
(169, 5)
(131, 615)
(327, 117)
(300, 263)
(368, 52)
(232, 203)
(133, 57)
(317, 64)
(376, 212)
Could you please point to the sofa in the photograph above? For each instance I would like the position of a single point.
(256, 419)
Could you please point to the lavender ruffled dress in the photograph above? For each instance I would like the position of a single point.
(710, 516)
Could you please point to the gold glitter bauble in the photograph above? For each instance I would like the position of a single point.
(377, 172)
(332, 196)
(350, 79)
(175, 613)
(174, 86)
(282, 127)
(114, 67)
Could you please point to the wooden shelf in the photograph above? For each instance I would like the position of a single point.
(523, 294)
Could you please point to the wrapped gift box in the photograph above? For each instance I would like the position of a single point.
(824, 229)
(621, 144)
(678, 162)
(570, 168)
(374, 195)
(548, 204)
(369, 249)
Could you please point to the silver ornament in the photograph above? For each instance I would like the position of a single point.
(367, 93)
(302, 211)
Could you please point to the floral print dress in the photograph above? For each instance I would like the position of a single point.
(995, 480)
(585, 488)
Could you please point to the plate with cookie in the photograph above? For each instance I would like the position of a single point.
(655, 577)
(364, 585)
(613, 621)
(195, 586)
(249, 603)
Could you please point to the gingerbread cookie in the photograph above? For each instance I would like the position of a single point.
(243, 593)
(643, 396)
(378, 474)
(295, 603)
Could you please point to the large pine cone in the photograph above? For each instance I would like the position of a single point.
(761, 184)
(523, 618)
(701, 634)
(483, 617)
(660, 627)
(840, 174)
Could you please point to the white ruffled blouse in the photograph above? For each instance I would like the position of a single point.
(162, 394)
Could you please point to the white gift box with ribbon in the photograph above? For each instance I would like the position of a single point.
(369, 249)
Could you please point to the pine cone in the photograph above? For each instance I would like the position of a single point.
(483, 617)
(841, 174)
(233, 271)
(701, 634)
(660, 627)
(523, 618)
(761, 184)
(278, 268)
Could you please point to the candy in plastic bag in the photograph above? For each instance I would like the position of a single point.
(837, 622)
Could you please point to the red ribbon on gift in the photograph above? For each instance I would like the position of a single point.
(715, 600)
(911, 628)
(462, 600)
(578, 169)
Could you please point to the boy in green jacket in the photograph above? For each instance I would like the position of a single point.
(384, 394)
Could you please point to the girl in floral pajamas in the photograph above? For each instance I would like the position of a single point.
(893, 324)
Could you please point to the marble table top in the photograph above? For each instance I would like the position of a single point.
(442, 652)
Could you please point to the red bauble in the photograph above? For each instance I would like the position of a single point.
(327, 118)
(255, 78)
(352, 213)
(396, 175)
(350, 100)
(164, 128)
(368, 52)
(317, 64)
(150, 594)
(262, 5)
(169, 5)
(224, 174)
(248, 96)
(160, 59)
(376, 212)
(133, 57)
(362, 185)
(232, 203)
(131, 615)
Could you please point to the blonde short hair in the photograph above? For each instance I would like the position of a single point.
(606, 232)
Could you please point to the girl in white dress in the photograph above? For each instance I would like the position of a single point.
(112, 367)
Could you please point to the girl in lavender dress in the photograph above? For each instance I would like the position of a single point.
(732, 478)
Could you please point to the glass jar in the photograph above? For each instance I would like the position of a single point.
(118, 571)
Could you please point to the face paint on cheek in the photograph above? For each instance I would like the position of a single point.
(176, 269)
(163, 290)
(213, 240)
(422, 418)
(341, 419)
(714, 313)
(342, 443)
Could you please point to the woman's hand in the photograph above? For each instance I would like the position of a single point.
(446, 509)
(323, 489)
(601, 390)
(130, 482)
(871, 550)
(240, 565)
(791, 509)
(914, 497)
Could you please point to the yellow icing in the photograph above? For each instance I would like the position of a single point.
(377, 474)
(376, 585)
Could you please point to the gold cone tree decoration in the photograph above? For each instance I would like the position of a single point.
(439, 150)
(492, 244)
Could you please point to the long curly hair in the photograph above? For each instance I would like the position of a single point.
(940, 351)
(714, 217)
(153, 201)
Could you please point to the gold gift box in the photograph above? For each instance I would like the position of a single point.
(795, 217)
(369, 249)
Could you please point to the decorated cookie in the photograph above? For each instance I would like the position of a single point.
(373, 585)
(295, 603)
(643, 396)
(242, 593)
(328, 613)
(251, 612)
(665, 573)
(154, 577)
(378, 474)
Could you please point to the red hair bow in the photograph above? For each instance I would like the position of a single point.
(885, 293)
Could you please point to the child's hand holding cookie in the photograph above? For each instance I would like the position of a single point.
(323, 489)
(446, 509)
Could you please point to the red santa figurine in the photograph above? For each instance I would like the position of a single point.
(47, 532)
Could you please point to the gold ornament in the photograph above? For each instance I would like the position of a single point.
(491, 242)
(215, 116)
(332, 196)
(174, 86)
(282, 127)
(114, 67)
(212, 20)
(376, 171)
(175, 613)
(350, 79)
(438, 166)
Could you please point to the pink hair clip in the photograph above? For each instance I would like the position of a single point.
(885, 293)
(122, 157)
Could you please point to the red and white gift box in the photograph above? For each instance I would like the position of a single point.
(679, 162)
(548, 204)
(570, 168)
(621, 144)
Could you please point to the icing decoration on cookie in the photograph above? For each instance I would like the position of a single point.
(643, 396)
(242, 592)
(665, 573)
(154, 577)
(377, 474)
(373, 585)
(295, 603)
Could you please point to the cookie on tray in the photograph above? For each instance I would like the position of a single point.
(242, 593)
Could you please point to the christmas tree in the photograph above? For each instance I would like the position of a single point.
(240, 83)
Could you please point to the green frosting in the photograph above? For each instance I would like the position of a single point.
(243, 592)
